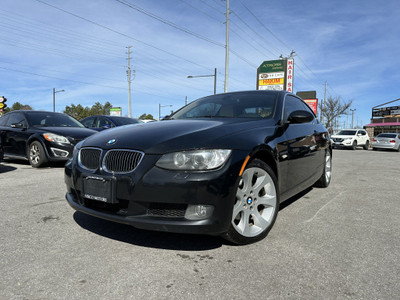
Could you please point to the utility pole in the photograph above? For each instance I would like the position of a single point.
(129, 77)
(352, 117)
(227, 48)
(323, 106)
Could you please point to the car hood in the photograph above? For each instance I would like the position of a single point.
(174, 135)
(77, 133)
(342, 136)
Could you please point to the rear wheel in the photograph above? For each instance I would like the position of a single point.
(366, 146)
(36, 155)
(326, 176)
(256, 204)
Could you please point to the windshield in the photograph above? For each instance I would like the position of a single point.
(238, 105)
(125, 121)
(347, 132)
(387, 135)
(49, 119)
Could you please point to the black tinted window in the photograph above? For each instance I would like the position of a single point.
(3, 120)
(292, 104)
(49, 119)
(238, 105)
(88, 122)
(16, 118)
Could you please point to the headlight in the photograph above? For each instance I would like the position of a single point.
(51, 137)
(196, 160)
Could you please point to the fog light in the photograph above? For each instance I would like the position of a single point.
(199, 212)
(59, 153)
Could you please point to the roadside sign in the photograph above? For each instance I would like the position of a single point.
(276, 75)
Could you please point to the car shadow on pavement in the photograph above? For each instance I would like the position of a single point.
(293, 199)
(153, 239)
(5, 168)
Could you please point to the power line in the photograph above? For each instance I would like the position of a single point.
(122, 34)
(169, 23)
(58, 78)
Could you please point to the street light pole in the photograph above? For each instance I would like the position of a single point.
(214, 75)
(54, 98)
(159, 110)
(352, 117)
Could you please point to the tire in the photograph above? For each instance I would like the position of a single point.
(374, 149)
(256, 204)
(326, 176)
(354, 146)
(36, 155)
(366, 146)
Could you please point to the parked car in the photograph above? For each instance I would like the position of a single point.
(351, 138)
(40, 136)
(100, 123)
(386, 141)
(220, 165)
(1, 151)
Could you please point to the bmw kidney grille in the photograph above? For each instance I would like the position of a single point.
(114, 161)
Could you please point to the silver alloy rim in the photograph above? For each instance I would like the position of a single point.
(34, 154)
(256, 203)
(328, 167)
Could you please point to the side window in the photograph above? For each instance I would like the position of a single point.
(3, 120)
(88, 122)
(102, 121)
(292, 104)
(16, 118)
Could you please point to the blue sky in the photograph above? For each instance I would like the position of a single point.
(80, 47)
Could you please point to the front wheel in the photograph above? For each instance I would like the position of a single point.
(256, 204)
(36, 155)
(354, 146)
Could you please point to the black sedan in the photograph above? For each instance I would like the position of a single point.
(40, 136)
(100, 123)
(220, 165)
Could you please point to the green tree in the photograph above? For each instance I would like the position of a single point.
(18, 106)
(79, 112)
(332, 109)
(146, 117)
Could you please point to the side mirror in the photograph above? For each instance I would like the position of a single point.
(300, 116)
(17, 125)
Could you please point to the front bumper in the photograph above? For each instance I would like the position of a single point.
(342, 144)
(157, 199)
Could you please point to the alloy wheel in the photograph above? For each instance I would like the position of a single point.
(256, 203)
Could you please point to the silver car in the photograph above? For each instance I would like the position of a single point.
(386, 141)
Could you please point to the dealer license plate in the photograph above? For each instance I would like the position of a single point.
(97, 188)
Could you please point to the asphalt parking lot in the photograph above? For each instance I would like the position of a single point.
(337, 243)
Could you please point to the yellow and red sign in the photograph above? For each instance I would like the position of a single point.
(313, 104)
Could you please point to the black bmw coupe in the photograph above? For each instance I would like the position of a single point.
(220, 165)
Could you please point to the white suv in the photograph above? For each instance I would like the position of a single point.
(351, 138)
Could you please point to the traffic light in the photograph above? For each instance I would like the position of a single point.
(3, 104)
(3, 101)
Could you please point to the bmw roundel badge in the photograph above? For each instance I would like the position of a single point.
(111, 142)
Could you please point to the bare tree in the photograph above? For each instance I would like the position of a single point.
(333, 108)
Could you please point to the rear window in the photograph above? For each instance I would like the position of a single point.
(387, 135)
